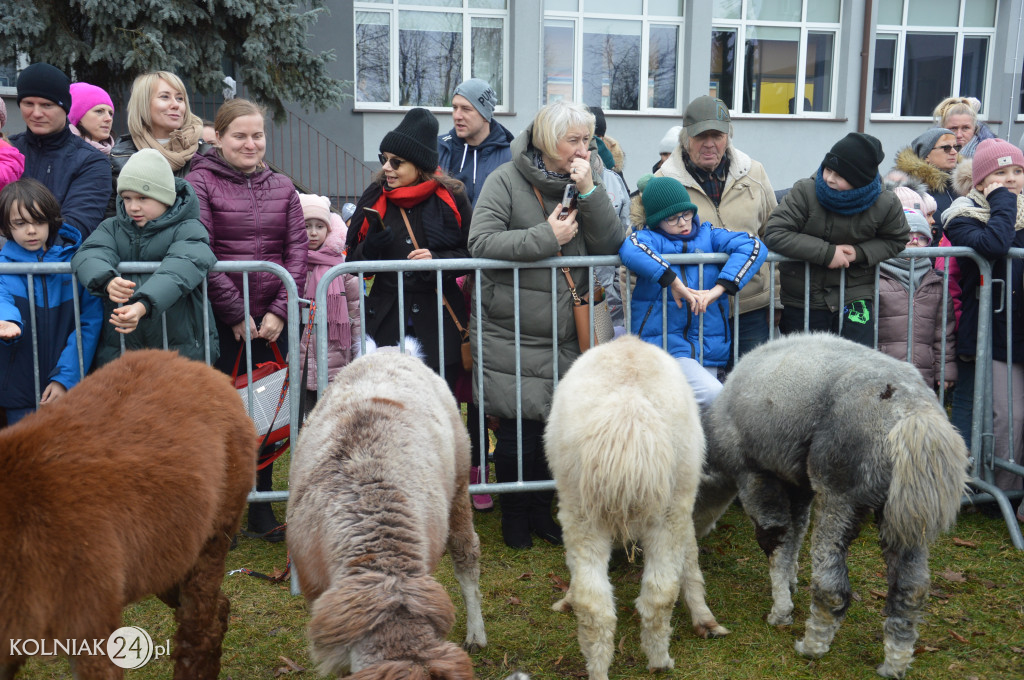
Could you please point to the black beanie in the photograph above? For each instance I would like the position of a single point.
(856, 158)
(48, 82)
(415, 139)
(600, 124)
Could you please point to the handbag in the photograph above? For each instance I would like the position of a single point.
(465, 349)
(603, 329)
(270, 391)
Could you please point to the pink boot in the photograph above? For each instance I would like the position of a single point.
(481, 502)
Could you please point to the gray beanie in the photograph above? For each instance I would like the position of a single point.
(925, 142)
(480, 95)
(918, 224)
(147, 172)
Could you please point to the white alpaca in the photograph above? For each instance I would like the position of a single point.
(625, 446)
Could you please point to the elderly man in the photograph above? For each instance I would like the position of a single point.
(730, 190)
(76, 173)
(477, 144)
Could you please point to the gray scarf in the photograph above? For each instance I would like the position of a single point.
(899, 269)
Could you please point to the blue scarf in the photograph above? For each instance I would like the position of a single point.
(849, 202)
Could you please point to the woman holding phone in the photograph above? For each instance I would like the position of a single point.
(520, 215)
(413, 211)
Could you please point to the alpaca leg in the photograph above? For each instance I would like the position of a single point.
(908, 593)
(659, 591)
(766, 499)
(590, 592)
(9, 670)
(838, 524)
(464, 548)
(202, 615)
(704, 622)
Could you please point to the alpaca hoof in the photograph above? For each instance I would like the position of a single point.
(804, 649)
(664, 668)
(887, 671)
(711, 629)
(780, 619)
(562, 605)
(472, 647)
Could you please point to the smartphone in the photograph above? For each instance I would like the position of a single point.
(568, 201)
(374, 219)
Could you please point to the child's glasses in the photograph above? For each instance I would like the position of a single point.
(681, 217)
(919, 239)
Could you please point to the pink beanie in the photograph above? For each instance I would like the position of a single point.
(993, 154)
(910, 199)
(85, 97)
(316, 208)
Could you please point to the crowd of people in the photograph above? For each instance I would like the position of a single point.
(187, 193)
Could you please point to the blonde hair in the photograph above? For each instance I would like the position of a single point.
(554, 120)
(233, 109)
(957, 106)
(140, 119)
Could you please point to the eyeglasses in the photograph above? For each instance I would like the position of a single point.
(681, 217)
(395, 161)
(949, 148)
(919, 239)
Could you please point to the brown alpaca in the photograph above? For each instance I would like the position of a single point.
(132, 484)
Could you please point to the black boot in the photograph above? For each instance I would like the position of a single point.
(541, 521)
(262, 522)
(515, 507)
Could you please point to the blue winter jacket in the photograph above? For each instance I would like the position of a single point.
(472, 164)
(77, 173)
(55, 323)
(641, 252)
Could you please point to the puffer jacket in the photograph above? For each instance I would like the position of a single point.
(123, 149)
(803, 229)
(55, 323)
(642, 252)
(747, 202)
(472, 164)
(938, 182)
(12, 164)
(893, 309)
(510, 224)
(249, 217)
(179, 242)
(76, 173)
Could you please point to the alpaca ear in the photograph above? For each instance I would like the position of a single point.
(426, 598)
(450, 663)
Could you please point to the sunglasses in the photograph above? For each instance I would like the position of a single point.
(949, 148)
(395, 161)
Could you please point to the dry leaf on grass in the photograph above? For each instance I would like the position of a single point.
(289, 667)
(622, 645)
(877, 594)
(953, 576)
(526, 576)
(957, 636)
(963, 542)
(514, 600)
(558, 582)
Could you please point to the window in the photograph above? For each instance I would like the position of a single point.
(415, 52)
(763, 52)
(621, 55)
(927, 49)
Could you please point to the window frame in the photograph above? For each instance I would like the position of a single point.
(806, 27)
(960, 34)
(392, 8)
(646, 21)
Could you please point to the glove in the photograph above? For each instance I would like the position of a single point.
(376, 243)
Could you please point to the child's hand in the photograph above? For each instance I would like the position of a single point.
(843, 257)
(9, 330)
(271, 327)
(126, 319)
(120, 289)
(681, 292)
(992, 186)
(706, 297)
(52, 393)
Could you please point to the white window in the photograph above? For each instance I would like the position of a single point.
(763, 52)
(926, 50)
(621, 55)
(416, 52)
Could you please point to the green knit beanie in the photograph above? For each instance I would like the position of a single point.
(147, 172)
(664, 197)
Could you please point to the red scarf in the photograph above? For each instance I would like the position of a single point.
(407, 197)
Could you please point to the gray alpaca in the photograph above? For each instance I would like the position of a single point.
(817, 417)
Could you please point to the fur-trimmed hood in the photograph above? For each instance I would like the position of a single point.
(617, 152)
(963, 176)
(900, 178)
(920, 169)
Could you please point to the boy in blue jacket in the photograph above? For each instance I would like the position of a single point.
(30, 219)
(673, 227)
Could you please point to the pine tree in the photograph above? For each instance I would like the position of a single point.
(109, 42)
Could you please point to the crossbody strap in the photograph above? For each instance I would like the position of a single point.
(565, 270)
(462, 331)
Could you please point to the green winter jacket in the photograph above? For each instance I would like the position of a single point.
(180, 242)
(508, 224)
(801, 228)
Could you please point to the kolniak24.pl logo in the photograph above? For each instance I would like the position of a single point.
(127, 647)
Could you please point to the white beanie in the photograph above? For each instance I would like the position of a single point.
(670, 141)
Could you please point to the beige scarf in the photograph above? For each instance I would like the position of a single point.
(980, 209)
(182, 144)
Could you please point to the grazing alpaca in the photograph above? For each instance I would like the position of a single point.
(818, 417)
(131, 484)
(380, 481)
(625, 447)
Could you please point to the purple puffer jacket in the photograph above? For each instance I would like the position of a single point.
(249, 217)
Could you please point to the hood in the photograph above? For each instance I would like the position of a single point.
(899, 178)
(186, 207)
(617, 153)
(963, 176)
(522, 158)
(920, 169)
(213, 162)
(499, 138)
(64, 247)
(637, 215)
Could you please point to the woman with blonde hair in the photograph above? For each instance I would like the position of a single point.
(159, 118)
(959, 115)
